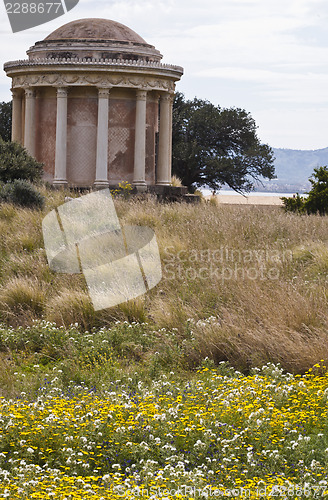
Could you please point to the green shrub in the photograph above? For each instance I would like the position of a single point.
(23, 193)
(16, 163)
(296, 204)
(317, 200)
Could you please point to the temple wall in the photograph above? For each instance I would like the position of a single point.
(82, 112)
(121, 134)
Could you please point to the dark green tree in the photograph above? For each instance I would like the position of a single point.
(5, 120)
(213, 146)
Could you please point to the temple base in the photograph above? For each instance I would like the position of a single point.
(60, 183)
(100, 185)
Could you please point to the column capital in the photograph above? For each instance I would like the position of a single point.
(141, 95)
(103, 93)
(16, 93)
(62, 92)
(167, 96)
(29, 93)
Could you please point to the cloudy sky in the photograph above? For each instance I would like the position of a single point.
(269, 57)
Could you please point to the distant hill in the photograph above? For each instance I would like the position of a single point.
(293, 168)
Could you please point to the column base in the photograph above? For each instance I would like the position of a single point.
(60, 183)
(163, 183)
(101, 184)
(140, 186)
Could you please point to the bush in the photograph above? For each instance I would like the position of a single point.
(294, 204)
(16, 163)
(317, 200)
(23, 193)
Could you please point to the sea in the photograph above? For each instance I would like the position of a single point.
(207, 192)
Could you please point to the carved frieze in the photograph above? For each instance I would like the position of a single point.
(97, 79)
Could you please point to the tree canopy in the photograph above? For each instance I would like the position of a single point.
(317, 199)
(5, 120)
(213, 146)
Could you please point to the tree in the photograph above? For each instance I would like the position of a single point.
(16, 163)
(214, 146)
(5, 120)
(317, 200)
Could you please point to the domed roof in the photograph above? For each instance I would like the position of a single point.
(95, 29)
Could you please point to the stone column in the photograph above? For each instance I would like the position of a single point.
(102, 140)
(140, 142)
(164, 146)
(29, 131)
(16, 128)
(60, 178)
(170, 146)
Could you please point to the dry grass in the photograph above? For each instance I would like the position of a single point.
(175, 181)
(21, 301)
(261, 272)
(71, 306)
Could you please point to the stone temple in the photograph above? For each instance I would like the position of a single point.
(93, 103)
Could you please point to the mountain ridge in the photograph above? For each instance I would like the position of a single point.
(293, 167)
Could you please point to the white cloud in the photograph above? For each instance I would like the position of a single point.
(256, 54)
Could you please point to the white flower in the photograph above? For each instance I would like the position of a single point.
(199, 444)
(30, 450)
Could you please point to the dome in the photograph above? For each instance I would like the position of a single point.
(95, 29)
(93, 38)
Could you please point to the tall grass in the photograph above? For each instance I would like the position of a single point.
(259, 272)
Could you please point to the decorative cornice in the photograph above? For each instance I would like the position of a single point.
(92, 63)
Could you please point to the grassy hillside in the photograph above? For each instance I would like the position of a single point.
(178, 392)
(241, 284)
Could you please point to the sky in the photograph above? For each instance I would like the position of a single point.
(269, 57)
